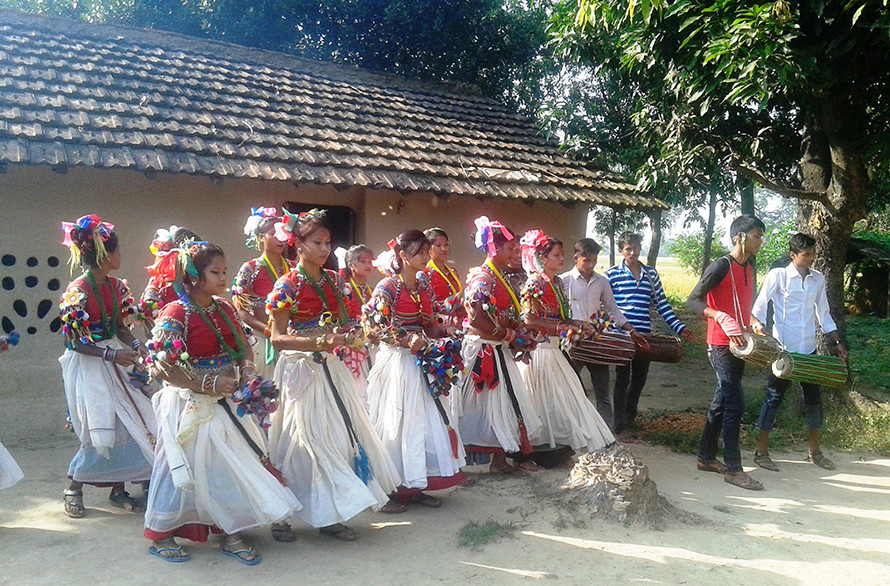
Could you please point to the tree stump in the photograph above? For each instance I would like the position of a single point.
(612, 483)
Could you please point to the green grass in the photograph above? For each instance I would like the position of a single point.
(475, 535)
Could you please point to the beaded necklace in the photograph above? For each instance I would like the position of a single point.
(272, 272)
(357, 290)
(235, 355)
(509, 289)
(560, 299)
(109, 323)
(454, 290)
(319, 290)
(414, 294)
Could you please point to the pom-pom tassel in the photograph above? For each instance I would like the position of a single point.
(525, 446)
(452, 435)
(361, 464)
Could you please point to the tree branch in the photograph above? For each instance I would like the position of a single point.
(783, 190)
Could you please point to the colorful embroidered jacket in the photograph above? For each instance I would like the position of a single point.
(181, 328)
(393, 307)
(81, 313)
(297, 294)
(356, 296)
(254, 281)
(446, 289)
(494, 291)
(546, 299)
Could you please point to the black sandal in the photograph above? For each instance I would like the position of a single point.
(74, 503)
(124, 501)
(283, 532)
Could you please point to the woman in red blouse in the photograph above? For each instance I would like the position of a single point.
(159, 291)
(209, 472)
(255, 280)
(411, 420)
(569, 418)
(444, 281)
(113, 421)
(321, 437)
(356, 266)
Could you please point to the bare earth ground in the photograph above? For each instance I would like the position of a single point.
(809, 526)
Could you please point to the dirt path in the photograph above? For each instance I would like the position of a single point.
(809, 526)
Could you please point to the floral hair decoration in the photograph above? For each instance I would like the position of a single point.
(285, 230)
(531, 260)
(255, 221)
(89, 232)
(163, 241)
(387, 262)
(485, 234)
(183, 266)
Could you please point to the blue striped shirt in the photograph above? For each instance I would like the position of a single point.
(635, 298)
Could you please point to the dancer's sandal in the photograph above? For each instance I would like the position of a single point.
(248, 556)
(529, 466)
(283, 532)
(74, 503)
(426, 500)
(124, 501)
(393, 507)
(339, 531)
(173, 554)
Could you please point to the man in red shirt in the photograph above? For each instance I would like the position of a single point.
(725, 295)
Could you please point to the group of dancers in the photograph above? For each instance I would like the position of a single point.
(384, 393)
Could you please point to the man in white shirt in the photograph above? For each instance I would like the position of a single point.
(799, 299)
(589, 292)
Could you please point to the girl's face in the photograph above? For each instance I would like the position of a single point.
(316, 247)
(554, 260)
(416, 262)
(509, 251)
(113, 262)
(270, 244)
(440, 250)
(362, 268)
(213, 279)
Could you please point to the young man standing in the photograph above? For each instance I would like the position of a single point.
(797, 292)
(637, 287)
(724, 295)
(589, 292)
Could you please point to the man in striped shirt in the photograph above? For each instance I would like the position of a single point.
(637, 288)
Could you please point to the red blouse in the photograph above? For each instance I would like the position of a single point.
(177, 322)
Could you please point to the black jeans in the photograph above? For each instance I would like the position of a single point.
(726, 409)
(629, 383)
(775, 392)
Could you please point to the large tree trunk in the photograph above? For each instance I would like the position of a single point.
(833, 162)
(655, 245)
(612, 239)
(709, 230)
(747, 192)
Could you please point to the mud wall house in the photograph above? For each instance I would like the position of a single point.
(149, 129)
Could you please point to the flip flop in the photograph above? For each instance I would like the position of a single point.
(426, 500)
(237, 555)
(159, 551)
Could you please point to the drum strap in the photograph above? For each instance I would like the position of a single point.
(360, 464)
(264, 459)
(452, 435)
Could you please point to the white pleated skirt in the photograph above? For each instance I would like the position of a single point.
(568, 418)
(487, 418)
(407, 420)
(206, 473)
(10, 473)
(311, 444)
(113, 420)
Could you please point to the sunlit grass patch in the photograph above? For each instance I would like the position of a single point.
(475, 535)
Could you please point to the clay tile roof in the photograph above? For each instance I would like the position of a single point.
(119, 97)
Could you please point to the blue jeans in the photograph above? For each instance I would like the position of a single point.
(775, 392)
(726, 409)
(629, 383)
